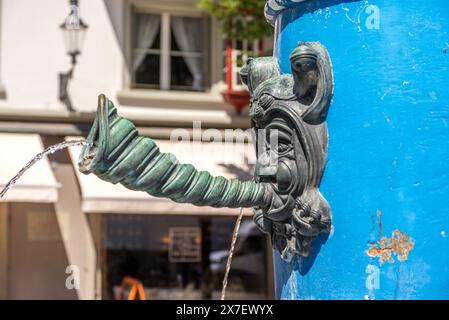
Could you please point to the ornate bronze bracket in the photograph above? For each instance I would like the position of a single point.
(291, 109)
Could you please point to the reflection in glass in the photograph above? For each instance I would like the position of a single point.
(138, 246)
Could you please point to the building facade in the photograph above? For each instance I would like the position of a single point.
(69, 236)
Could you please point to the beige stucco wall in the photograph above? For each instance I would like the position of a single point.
(32, 54)
(36, 257)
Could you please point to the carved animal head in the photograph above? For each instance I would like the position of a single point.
(288, 115)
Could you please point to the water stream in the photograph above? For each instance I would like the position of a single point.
(50, 150)
(72, 143)
(231, 254)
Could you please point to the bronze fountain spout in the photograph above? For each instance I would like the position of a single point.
(116, 153)
(285, 196)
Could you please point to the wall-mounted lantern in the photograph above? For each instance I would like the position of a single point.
(74, 31)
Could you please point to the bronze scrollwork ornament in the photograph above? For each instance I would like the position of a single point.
(284, 194)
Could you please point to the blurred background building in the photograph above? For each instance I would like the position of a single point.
(163, 65)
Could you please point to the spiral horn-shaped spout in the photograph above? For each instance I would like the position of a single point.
(116, 153)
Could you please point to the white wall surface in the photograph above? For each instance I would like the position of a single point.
(33, 53)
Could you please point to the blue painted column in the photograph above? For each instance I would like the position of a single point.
(388, 166)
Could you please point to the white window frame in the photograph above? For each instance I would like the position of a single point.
(234, 56)
(235, 67)
(165, 46)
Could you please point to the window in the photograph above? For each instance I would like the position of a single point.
(168, 52)
(138, 246)
(241, 50)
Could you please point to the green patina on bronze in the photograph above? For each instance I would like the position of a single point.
(285, 192)
(116, 153)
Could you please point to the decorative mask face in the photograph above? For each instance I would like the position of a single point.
(288, 115)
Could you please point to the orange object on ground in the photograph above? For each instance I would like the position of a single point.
(136, 287)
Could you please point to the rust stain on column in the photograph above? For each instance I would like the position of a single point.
(399, 244)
